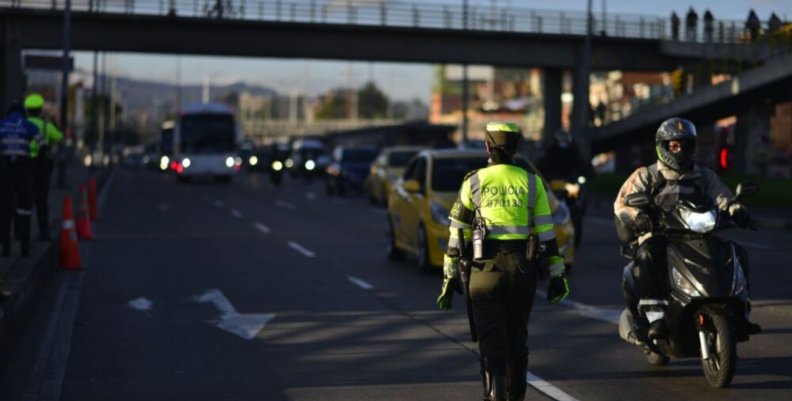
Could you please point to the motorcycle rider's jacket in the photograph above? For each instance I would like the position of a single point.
(664, 186)
(512, 203)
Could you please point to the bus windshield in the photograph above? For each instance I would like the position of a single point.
(207, 133)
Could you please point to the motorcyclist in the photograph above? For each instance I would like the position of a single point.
(674, 173)
(562, 160)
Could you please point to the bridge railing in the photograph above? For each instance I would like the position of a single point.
(432, 15)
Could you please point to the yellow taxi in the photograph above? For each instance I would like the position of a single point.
(419, 202)
(386, 169)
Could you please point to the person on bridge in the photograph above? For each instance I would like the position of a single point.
(674, 173)
(42, 163)
(753, 25)
(503, 208)
(16, 193)
(674, 25)
(691, 21)
(709, 26)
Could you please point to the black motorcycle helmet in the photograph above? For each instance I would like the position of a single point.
(16, 107)
(676, 129)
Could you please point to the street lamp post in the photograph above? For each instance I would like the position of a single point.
(64, 95)
(465, 95)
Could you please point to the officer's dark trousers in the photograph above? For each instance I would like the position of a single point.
(42, 174)
(502, 291)
(21, 174)
(650, 271)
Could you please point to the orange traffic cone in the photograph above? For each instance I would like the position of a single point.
(69, 249)
(92, 206)
(84, 230)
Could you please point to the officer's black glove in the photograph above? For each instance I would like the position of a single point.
(558, 289)
(642, 223)
(740, 216)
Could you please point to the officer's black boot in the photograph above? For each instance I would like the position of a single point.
(494, 379)
(486, 381)
(518, 367)
(498, 392)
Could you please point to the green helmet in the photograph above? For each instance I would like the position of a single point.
(34, 101)
(503, 134)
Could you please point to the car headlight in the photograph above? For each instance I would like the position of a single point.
(229, 162)
(581, 180)
(277, 165)
(253, 160)
(186, 163)
(310, 165)
(289, 163)
(683, 284)
(439, 214)
(561, 214)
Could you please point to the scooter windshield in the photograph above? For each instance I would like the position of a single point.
(699, 222)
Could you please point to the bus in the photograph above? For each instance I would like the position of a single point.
(205, 142)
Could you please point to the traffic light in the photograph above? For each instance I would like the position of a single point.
(678, 81)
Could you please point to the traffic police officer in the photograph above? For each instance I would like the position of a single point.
(511, 204)
(42, 163)
(16, 194)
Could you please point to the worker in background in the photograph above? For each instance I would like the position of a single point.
(42, 163)
(16, 135)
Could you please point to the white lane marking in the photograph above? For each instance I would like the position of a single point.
(285, 205)
(236, 213)
(360, 283)
(163, 207)
(600, 221)
(299, 248)
(141, 303)
(610, 315)
(261, 227)
(245, 325)
(218, 203)
(310, 195)
(547, 389)
(754, 245)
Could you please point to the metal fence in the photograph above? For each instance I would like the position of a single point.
(405, 14)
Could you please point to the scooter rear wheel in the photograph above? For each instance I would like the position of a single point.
(719, 368)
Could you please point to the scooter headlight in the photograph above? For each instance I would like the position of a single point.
(699, 222)
(683, 284)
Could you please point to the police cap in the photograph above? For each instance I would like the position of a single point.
(503, 134)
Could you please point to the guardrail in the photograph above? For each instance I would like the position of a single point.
(404, 14)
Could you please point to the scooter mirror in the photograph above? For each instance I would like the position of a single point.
(636, 200)
(746, 188)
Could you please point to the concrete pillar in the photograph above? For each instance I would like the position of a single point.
(11, 73)
(553, 87)
(751, 148)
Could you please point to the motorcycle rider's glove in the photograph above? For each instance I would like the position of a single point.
(740, 215)
(558, 290)
(642, 223)
(451, 281)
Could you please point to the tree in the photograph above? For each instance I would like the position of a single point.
(372, 103)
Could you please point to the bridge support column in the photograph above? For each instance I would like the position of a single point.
(553, 87)
(751, 139)
(13, 79)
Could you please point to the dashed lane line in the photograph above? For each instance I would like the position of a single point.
(299, 248)
(360, 283)
(261, 227)
(548, 389)
(285, 205)
(236, 213)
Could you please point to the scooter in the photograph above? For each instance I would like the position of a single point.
(708, 302)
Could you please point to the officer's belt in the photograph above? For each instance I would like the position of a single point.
(516, 245)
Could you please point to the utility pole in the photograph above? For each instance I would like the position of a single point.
(580, 108)
(64, 95)
(465, 95)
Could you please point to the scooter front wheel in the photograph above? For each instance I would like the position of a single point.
(719, 367)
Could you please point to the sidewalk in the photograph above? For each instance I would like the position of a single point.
(23, 279)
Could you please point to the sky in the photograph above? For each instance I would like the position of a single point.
(400, 81)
